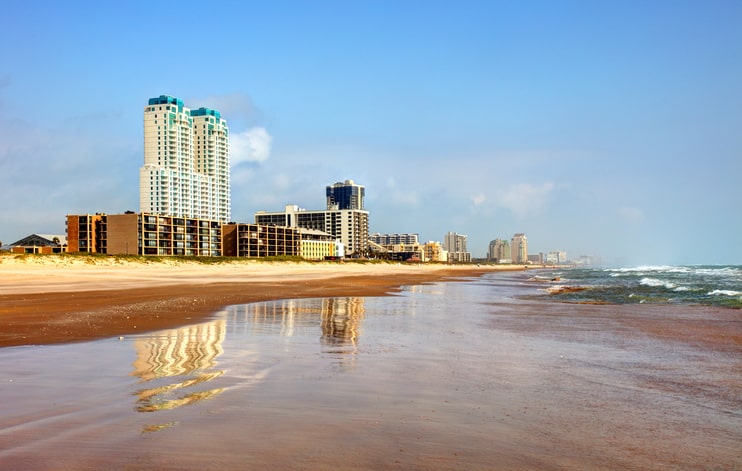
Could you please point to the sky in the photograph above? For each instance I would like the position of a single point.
(608, 129)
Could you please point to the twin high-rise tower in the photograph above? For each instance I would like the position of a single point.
(186, 162)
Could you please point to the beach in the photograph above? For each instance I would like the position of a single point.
(315, 366)
(53, 299)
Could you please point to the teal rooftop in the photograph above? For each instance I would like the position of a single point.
(206, 112)
(166, 100)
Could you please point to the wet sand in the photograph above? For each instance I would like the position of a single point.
(465, 375)
(48, 299)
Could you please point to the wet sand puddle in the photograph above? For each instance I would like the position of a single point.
(444, 376)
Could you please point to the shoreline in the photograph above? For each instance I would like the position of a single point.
(52, 299)
(459, 375)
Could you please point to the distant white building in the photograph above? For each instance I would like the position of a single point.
(519, 248)
(455, 244)
(556, 257)
(499, 251)
(394, 239)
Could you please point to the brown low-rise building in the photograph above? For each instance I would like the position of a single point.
(143, 234)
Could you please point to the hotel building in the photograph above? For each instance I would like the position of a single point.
(255, 240)
(434, 252)
(499, 251)
(143, 234)
(186, 162)
(455, 244)
(151, 234)
(393, 239)
(519, 248)
(348, 226)
(345, 195)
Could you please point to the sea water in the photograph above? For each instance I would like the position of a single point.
(712, 285)
(455, 375)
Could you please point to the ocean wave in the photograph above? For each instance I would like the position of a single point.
(655, 283)
(724, 292)
(721, 271)
(705, 270)
(715, 285)
(651, 268)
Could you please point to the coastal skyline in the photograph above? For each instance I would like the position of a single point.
(600, 129)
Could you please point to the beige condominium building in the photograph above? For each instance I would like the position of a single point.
(348, 226)
(455, 244)
(519, 248)
(186, 162)
(257, 240)
(499, 251)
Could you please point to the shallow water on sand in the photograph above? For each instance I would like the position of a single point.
(443, 376)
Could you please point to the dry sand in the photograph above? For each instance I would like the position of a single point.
(53, 299)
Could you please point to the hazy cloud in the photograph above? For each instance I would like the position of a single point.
(479, 199)
(631, 215)
(399, 196)
(525, 199)
(252, 145)
(405, 198)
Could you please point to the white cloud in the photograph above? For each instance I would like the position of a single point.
(631, 215)
(252, 145)
(525, 199)
(478, 199)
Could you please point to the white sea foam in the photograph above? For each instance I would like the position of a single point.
(722, 271)
(651, 268)
(724, 292)
(655, 283)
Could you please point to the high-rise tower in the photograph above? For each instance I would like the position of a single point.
(456, 246)
(519, 248)
(186, 161)
(345, 195)
(499, 250)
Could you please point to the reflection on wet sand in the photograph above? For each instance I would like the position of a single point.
(339, 319)
(191, 350)
(341, 323)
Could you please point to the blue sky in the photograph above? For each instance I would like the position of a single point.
(600, 128)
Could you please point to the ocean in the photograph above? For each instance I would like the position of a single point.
(710, 285)
(483, 373)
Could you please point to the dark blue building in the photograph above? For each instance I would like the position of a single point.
(345, 195)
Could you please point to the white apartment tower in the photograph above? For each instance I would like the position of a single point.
(519, 248)
(186, 162)
(456, 246)
(499, 250)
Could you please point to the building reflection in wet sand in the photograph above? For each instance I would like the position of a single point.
(339, 320)
(188, 354)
